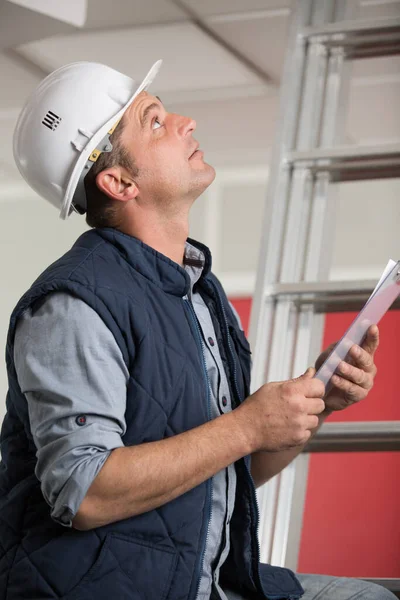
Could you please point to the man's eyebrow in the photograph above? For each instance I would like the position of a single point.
(147, 110)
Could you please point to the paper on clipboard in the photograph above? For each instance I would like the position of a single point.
(387, 269)
(383, 296)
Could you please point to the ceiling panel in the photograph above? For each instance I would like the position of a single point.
(103, 13)
(191, 59)
(214, 7)
(8, 167)
(19, 25)
(73, 13)
(263, 40)
(17, 83)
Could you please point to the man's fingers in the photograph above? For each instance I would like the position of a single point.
(371, 342)
(363, 378)
(309, 374)
(312, 422)
(351, 391)
(362, 359)
(315, 406)
(310, 388)
(369, 345)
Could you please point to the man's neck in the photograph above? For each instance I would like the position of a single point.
(166, 235)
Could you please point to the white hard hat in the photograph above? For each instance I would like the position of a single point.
(65, 126)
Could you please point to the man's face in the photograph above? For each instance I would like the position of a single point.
(165, 153)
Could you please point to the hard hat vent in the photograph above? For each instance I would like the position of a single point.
(51, 120)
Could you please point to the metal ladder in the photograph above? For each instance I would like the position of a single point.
(292, 292)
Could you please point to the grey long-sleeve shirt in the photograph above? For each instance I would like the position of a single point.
(68, 364)
(72, 373)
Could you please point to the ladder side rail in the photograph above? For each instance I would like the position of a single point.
(262, 315)
(292, 487)
(277, 192)
(267, 504)
(284, 327)
(263, 312)
(329, 88)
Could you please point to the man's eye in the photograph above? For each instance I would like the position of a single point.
(157, 123)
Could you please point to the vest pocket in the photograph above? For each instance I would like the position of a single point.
(128, 569)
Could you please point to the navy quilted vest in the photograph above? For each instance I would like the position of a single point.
(139, 294)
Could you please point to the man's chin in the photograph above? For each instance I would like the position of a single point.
(208, 175)
(203, 180)
(212, 169)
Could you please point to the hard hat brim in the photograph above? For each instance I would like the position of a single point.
(66, 207)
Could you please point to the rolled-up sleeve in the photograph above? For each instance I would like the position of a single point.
(74, 378)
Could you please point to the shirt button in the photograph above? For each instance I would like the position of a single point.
(211, 341)
(81, 420)
(224, 401)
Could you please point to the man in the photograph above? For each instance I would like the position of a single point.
(125, 360)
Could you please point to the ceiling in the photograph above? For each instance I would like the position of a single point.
(223, 61)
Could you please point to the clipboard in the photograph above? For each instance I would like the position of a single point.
(381, 299)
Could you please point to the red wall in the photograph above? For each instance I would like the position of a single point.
(352, 516)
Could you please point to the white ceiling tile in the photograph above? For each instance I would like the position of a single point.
(20, 25)
(191, 59)
(17, 84)
(6, 152)
(214, 7)
(263, 40)
(4, 169)
(103, 13)
(72, 12)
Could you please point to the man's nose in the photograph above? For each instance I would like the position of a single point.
(185, 125)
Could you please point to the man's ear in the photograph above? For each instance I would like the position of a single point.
(116, 184)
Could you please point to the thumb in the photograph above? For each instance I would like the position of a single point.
(309, 374)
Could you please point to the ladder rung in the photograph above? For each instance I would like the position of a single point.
(374, 436)
(350, 163)
(359, 39)
(316, 288)
(326, 296)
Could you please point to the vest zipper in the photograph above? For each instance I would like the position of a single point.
(193, 317)
(254, 505)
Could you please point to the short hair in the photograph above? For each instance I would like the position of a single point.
(101, 210)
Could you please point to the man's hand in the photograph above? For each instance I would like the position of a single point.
(282, 415)
(355, 376)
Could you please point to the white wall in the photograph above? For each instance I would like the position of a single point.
(32, 236)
